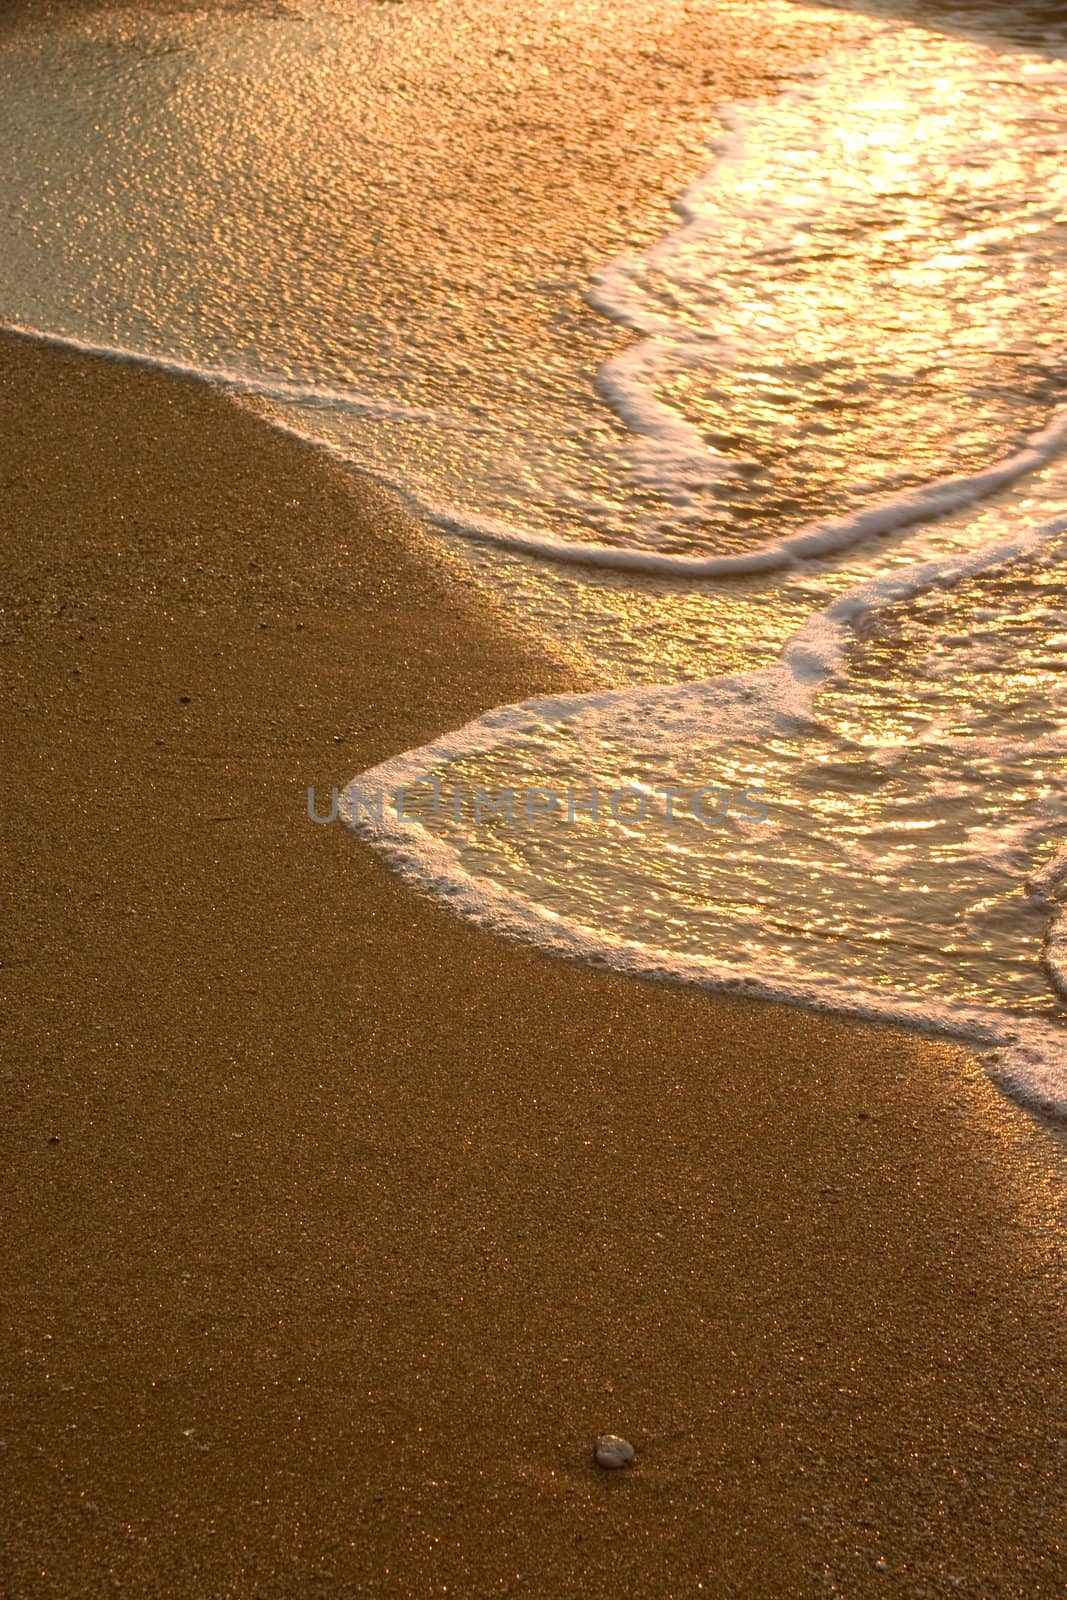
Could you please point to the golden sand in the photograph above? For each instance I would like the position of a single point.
(336, 1231)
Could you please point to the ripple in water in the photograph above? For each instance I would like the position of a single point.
(864, 298)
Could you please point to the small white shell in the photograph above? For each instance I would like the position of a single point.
(611, 1451)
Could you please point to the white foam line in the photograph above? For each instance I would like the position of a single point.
(1030, 1055)
(787, 686)
(1051, 888)
(936, 499)
(818, 647)
(268, 388)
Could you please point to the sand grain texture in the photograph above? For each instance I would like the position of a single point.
(335, 1231)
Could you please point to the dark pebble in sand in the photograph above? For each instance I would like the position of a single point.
(613, 1452)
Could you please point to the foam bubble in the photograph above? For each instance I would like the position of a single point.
(890, 882)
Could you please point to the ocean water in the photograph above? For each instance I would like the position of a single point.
(789, 467)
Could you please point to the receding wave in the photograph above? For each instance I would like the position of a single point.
(851, 340)
(852, 327)
(887, 880)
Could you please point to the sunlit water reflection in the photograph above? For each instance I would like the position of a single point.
(906, 807)
(372, 222)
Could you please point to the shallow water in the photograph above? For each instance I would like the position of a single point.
(843, 358)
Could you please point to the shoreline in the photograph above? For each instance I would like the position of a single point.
(1032, 1087)
(335, 1281)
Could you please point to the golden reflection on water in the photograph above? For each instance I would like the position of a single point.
(871, 294)
(414, 209)
(904, 820)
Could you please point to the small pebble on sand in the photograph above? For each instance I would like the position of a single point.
(611, 1451)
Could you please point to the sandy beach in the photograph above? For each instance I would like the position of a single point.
(336, 1231)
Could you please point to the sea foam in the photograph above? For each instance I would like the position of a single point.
(850, 333)
(556, 905)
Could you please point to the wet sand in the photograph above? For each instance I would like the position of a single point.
(335, 1231)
